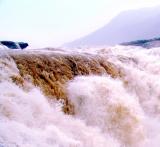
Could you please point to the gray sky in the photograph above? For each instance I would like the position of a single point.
(54, 22)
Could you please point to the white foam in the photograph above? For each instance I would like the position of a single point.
(103, 102)
(108, 112)
(28, 119)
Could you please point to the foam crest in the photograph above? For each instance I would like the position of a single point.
(103, 102)
(7, 67)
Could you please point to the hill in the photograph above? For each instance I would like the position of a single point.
(127, 26)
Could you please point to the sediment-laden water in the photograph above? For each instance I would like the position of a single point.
(95, 97)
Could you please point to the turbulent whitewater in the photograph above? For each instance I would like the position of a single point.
(96, 97)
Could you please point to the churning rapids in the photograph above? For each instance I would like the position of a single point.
(110, 110)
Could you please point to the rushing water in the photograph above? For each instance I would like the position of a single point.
(121, 112)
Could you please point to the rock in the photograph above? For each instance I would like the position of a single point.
(14, 45)
(10, 44)
(23, 45)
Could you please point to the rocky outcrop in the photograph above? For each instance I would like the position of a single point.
(51, 72)
(14, 45)
(23, 45)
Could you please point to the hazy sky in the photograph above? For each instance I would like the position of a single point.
(53, 22)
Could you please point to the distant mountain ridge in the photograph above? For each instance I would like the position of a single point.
(150, 43)
(127, 26)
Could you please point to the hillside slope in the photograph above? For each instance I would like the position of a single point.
(127, 26)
